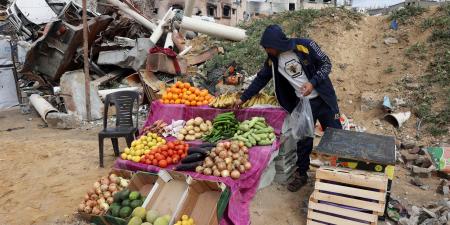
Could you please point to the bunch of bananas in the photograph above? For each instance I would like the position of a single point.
(261, 99)
(224, 101)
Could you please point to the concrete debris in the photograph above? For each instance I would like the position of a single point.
(417, 181)
(390, 41)
(370, 100)
(63, 121)
(429, 212)
(408, 143)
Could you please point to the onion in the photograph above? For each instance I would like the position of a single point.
(98, 191)
(212, 155)
(90, 203)
(113, 180)
(96, 210)
(235, 174)
(110, 200)
(244, 149)
(97, 185)
(88, 209)
(86, 197)
(243, 161)
(234, 147)
(236, 163)
(246, 156)
(241, 169)
(81, 207)
(214, 167)
(225, 173)
(104, 187)
(248, 166)
(207, 171)
(241, 153)
(112, 187)
(209, 159)
(218, 160)
(111, 176)
(229, 154)
(104, 206)
(107, 194)
(230, 167)
(235, 156)
(228, 160)
(124, 183)
(94, 197)
(227, 144)
(221, 166)
(216, 173)
(223, 154)
(209, 164)
(220, 145)
(241, 144)
(101, 200)
(114, 193)
(104, 180)
(199, 169)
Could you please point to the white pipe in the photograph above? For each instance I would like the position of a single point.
(169, 42)
(185, 51)
(188, 7)
(140, 19)
(213, 29)
(104, 93)
(156, 35)
(42, 106)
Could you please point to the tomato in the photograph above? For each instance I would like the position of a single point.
(170, 152)
(151, 157)
(186, 146)
(155, 162)
(147, 161)
(183, 155)
(164, 147)
(163, 164)
(170, 145)
(165, 154)
(175, 160)
(159, 157)
(180, 152)
(179, 147)
(169, 160)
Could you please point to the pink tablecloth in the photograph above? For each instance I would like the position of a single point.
(242, 190)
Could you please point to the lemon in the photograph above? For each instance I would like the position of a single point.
(163, 141)
(129, 157)
(154, 148)
(134, 143)
(184, 218)
(154, 135)
(178, 223)
(127, 150)
(124, 155)
(144, 143)
(137, 158)
(158, 139)
(147, 151)
(139, 147)
(190, 220)
(185, 223)
(140, 152)
(141, 157)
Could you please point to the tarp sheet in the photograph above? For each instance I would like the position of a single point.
(243, 189)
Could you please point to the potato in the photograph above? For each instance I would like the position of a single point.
(198, 121)
(183, 131)
(198, 135)
(180, 137)
(197, 129)
(203, 127)
(191, 132)
(190, 122)
(189, 137)
(189, 127)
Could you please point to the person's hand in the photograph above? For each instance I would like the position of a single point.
(237, 103)
(307, 89)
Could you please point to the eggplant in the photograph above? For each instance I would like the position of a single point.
(209, 145)
(195, 157)
(204, 151)
(189, 166)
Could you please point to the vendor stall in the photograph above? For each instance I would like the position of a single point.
(242, 189)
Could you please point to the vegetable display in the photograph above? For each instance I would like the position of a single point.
(140, 216)
(227, 159)
(195, 157)
(158, 127)
(125, 203)
(184, 93)
(195, 129)
(225, 126)
(142, 146)
(167, 154)
(255, 132)
(261, 99)
(97, 201)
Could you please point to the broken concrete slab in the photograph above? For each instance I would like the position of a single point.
(73, 92)
(390, 41)
(429, 212)
(408, 143)
(417, 181)
(127, 58)
(63, 121)
(408, 156)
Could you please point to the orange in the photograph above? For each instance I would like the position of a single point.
(196, 98)
(192, 89)
(186, 85)
(177, 101)
(198, 92)
(205, 102)
(193, 103)
(166, 101)
(203, 93)
(192, 97)
(199, 103)
(179, 84)
(169, 96)
(187, 103)
(182, 101)
(184, 90)
(188, 92)
(172, 101)
(164, 96)
(174, 96)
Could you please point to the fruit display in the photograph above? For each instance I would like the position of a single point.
(227, 159)
(97, 201)
(255, 132)
(195, 129)
(184, 93)
(125, 203)
(261, 99)
(145, 144)
(224, 100)
(185, 220)
(140, 216)
(195, 157)
(166, 154)
(225, 126)
(158, 127)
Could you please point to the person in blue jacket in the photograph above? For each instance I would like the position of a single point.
(299, 68)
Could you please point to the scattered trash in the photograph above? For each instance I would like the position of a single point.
(387, 104)
(440, 157)
(390, 41)
(397, 119)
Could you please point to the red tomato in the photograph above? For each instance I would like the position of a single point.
(183, 155)
(151, 157)
(179, 147)
(180, 152)
(159, 157)
(165, 154)
(147, 161)
(169, 160)
(170, 152)
(163, 163)
(164, 147)
(155, 162)
(186, 146)
(175, 160)
(170, 145)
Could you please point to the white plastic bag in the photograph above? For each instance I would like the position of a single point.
(301, 120)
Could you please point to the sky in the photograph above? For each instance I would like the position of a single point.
(374, 3)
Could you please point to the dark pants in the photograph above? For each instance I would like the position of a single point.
(322, 112)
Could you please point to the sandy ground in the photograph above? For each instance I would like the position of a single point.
(44, 173)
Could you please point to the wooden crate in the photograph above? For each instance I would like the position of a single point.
(348, 197)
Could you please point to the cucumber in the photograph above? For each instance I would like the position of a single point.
(265, 130)
(252, 140)
(256, 137)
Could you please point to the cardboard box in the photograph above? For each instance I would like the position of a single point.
(201, 203)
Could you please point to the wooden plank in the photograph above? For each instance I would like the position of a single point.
(355, 177)
(343, 212)
(310, 222)
(372, 206)
(379, 196)
(331, 219)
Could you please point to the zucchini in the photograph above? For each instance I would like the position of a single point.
(251, 139)
(262, 136)
(256, 137)
(188, 166)
(265, 142)
(265, 130)
(248, 144)
(195, 157)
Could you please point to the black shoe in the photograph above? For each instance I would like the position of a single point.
(298, 182)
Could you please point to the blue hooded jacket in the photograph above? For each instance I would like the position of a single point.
(315, 63)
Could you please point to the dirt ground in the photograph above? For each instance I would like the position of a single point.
(44, 173)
